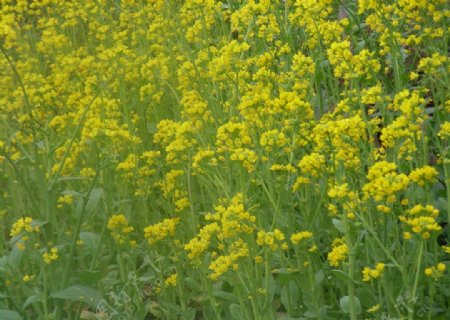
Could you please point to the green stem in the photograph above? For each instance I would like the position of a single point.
(73, 245)
(351, 285)
(412, 301)
(267, 278)
(447, 187)
(45, 295)
(122, 267)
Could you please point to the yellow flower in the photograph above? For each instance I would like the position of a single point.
(171, 280)
(161, 230)
(23, 225)
(435, 272)
(424, 175)
(370, 274)
(51, 256)
(374, 309)
(119, 228)
(421, 220)
(384, 183)
(271, 239)
(338, 253)
(28, 278)
(444, 133)
(296, 238)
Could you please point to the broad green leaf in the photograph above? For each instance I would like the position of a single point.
(319, 276)
(345, 304)
(31, 299)
(341, 275)
(236, 311)
(89, 276)
(339, 225)
(15, 257)
(79, 293)
(225, 296)
(90, 240)
(9, 315)
(94, 198)
(194, 284)
(188, 314)
(290, 295)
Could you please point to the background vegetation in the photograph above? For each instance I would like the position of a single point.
(208, 159)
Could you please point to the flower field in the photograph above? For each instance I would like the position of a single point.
(207, 159)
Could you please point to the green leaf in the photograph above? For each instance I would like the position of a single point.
(9, 315)
(193, 283)
(31, 299)
(225, 296)
(341, 275)
(14, 258)
(310, 314)
(94, 198)
(319, 276)
(345, 304)
(339, 225)
(90, 240)
(89, 276)
(79, 293)
(188, 314)
(79, 207)
(236, 311)
(290, 295)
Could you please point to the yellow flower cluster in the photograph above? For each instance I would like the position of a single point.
(272, 138)
(51, 256)
(199, 160)
(312, 164)
(405, 130)
(65, 200)
(233, 218)
(424, 175)
(273, 240)
(231, 136)
(348, 66)
(370, 274)
(431, 65)
(314, 17)
(223, 263)
(436, 272)
(421, 220)
(229, 223)
(119, 228)
(171, 281)
(195, 109)
(338, 253)
(23, 225)
(340, 137)
(200, 243)
(384, 182)
(161, 230)
(298, 237)
(28, 278)
(246, 156)
(444, 133)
